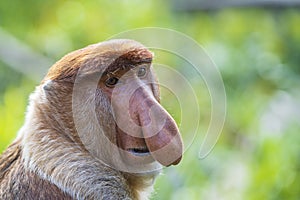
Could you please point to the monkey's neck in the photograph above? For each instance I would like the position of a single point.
(142, 185)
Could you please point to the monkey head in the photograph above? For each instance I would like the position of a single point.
(105, 97)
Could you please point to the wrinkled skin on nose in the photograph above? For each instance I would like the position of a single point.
(142, 122)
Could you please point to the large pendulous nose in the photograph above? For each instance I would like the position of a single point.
(159, 129)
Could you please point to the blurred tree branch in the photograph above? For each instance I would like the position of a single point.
(22, 58)
(194, 5)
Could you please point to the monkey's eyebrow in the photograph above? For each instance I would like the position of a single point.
(114, 73)
(130, 60)
(119, 64)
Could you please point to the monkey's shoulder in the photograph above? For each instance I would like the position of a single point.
(16, 182)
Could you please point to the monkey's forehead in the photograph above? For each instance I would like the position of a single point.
(103, 57)
(116, 45)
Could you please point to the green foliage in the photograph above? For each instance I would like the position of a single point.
(257, 52)
(12, 111)
(8, 77)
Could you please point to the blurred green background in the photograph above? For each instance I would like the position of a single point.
(257, 52)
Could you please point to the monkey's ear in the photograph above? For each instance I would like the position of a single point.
(47, 85)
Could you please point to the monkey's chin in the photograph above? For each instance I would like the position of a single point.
(138, 162)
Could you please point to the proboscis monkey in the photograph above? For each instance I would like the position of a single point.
(94, 129)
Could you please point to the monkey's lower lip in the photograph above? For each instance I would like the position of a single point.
(139, 151)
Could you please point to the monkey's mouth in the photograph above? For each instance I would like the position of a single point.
(139, 151)
(135, 146)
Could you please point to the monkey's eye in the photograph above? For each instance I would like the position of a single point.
(112, 81)
(141, 71)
